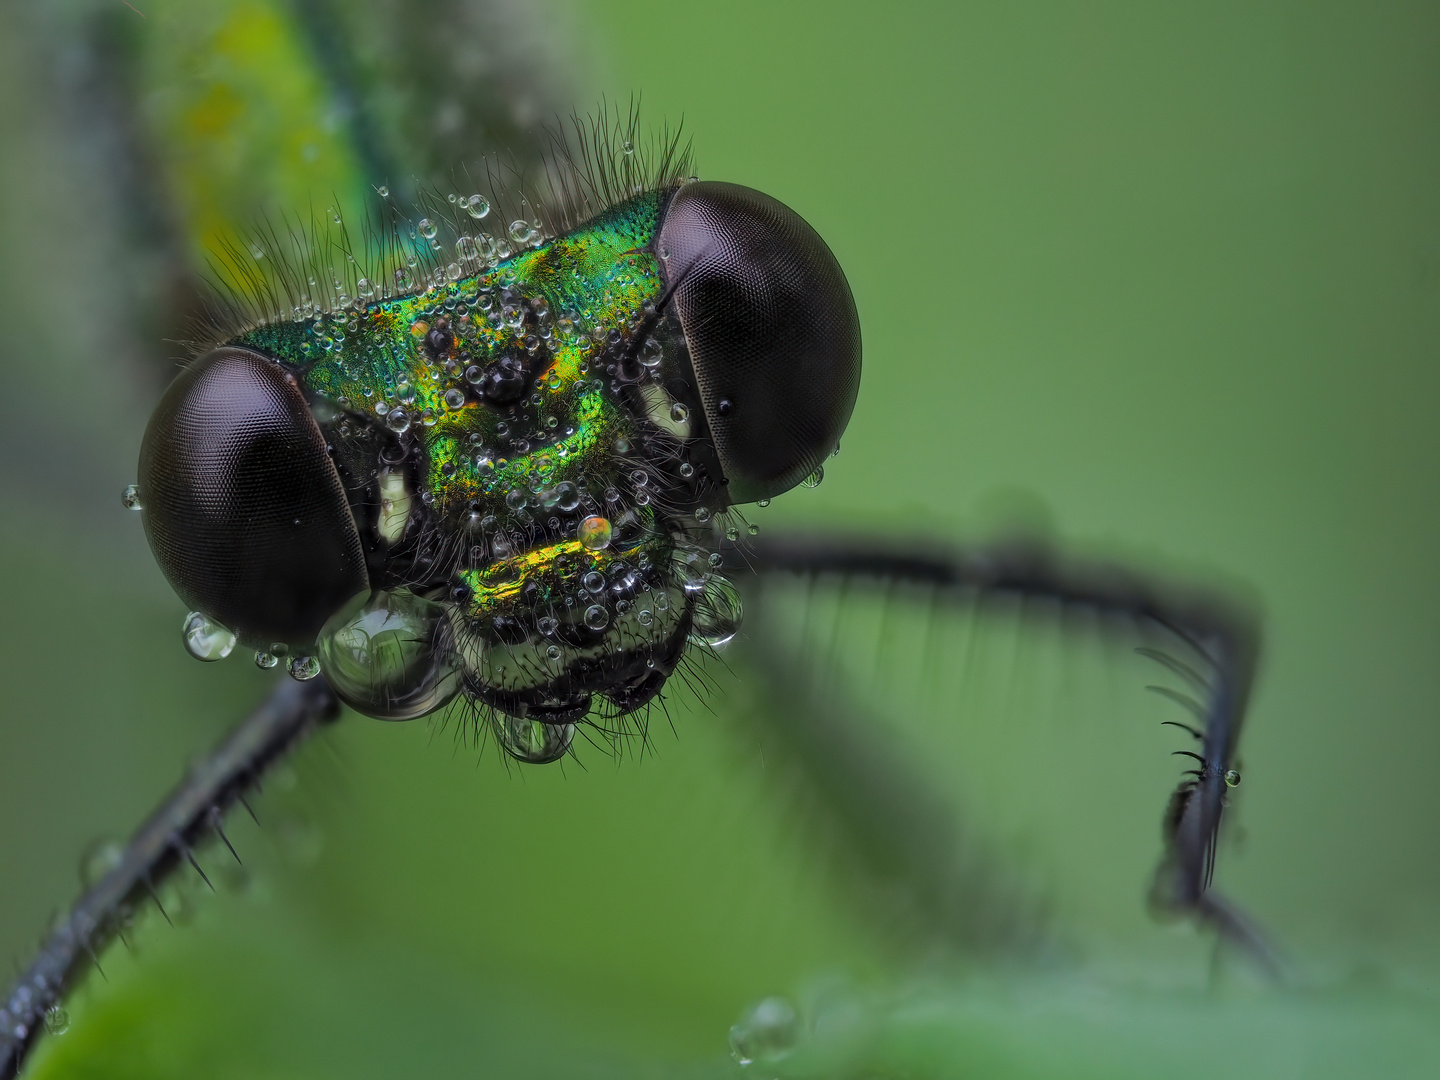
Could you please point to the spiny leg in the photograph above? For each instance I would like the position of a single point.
(164, 843)
(1219, 631)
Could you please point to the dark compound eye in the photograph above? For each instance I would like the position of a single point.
(243, 507)
(772, 330)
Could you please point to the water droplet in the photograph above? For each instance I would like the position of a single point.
(477, 206)
(595, 533)
(304, 668)
(206, 639)
(465, 249)
(766, 1034)
(627, 146)
(265, 659)
(763, 502)
(388, 655)
(593, 582)
(130, 498)
(753, 530)
(364, 288)
(1232, 778)
(398, 420)
(702, 514)
(686, 469)
(531, 741)
(717, 612)
(383, 191)
(553, 652)
(547, 625)
(651, 353)
(644, 617)
(454, 399)
(567, 498)
(596, 617)
(679, 413)
(813, 480)
(427, 228)
(520, 231)
(99, 859)
(57, 1020)
(732, 533)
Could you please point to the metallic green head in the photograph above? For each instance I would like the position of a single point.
(507, 486)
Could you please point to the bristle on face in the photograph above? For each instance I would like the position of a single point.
(300, 269)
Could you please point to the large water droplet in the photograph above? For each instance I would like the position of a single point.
(595, 533)
(398, 420)
(813, 480)
(596, 617)
(206, 639)
(265, 659)
(389, 655)
(766, 1034)
(130, 498)
(1232, 778)
(531, 741)
(477, 206)
(717, 612)
(427, 228)
(304, 668)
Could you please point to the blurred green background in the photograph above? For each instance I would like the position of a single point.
(1165, 278)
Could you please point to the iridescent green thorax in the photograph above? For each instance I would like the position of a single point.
(414, 363)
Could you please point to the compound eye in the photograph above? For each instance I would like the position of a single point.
(243, 507)
(773, 334)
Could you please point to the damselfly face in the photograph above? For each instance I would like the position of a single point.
(511, 486)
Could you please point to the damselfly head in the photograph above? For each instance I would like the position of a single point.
(513, 484)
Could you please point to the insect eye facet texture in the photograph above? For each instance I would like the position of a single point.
(243, 507)
(772, 329)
